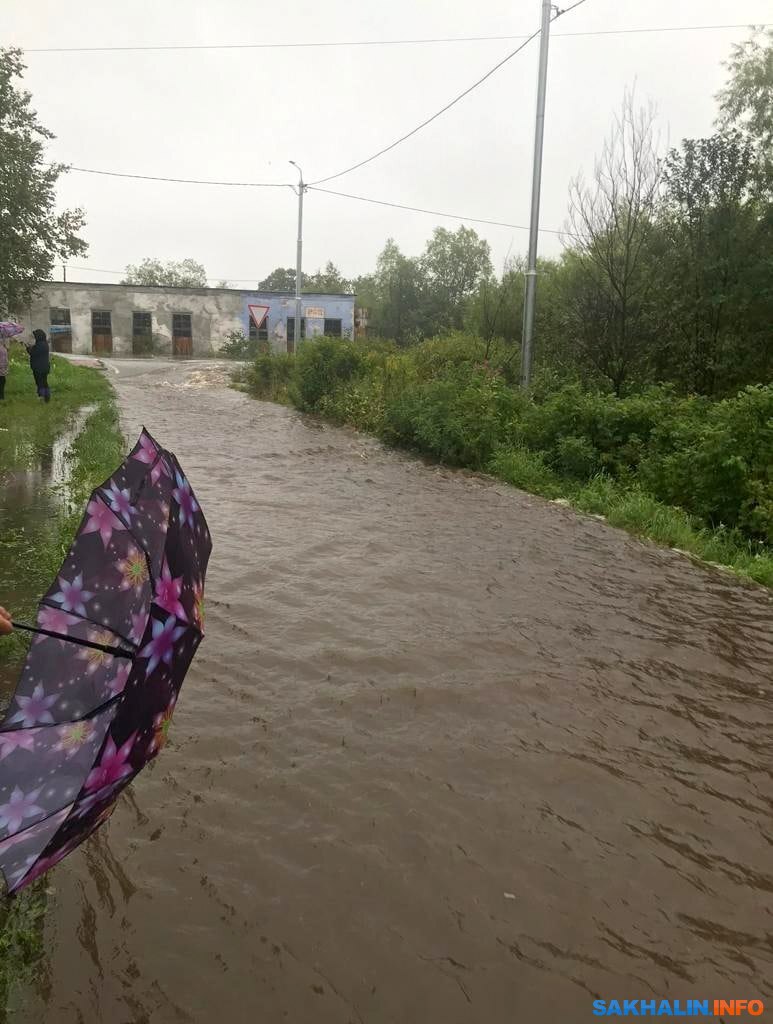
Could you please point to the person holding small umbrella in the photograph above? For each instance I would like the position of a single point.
(40, 363)
(8, 329)
(3, 368)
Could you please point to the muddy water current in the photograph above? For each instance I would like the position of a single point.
(448, 754)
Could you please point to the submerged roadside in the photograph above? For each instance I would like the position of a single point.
(51, 457)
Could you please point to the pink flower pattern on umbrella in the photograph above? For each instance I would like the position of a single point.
(168, 592)
(20, 806)
(117, 684)
(120, 500)
(183, 495)
(161, 647)
(147, 451)
(21, 739)
(139, 622)
(102, 520)
(72, 596)
(57, 620)
(34, 710)
(113, 765)
(160, 469)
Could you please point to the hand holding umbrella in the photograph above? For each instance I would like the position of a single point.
(5, 622)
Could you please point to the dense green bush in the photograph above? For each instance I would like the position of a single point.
(321, 367)
(685, 465)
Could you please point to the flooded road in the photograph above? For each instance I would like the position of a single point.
(449, 753)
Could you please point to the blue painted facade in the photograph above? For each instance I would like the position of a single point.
(282, 306)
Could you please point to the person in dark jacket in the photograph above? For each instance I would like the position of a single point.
(40, 364)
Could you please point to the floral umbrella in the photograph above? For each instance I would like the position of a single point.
(8, 329)
(114, 637)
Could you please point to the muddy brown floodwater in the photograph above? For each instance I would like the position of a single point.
(448, 754)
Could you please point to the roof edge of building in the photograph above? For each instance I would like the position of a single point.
(186, 288)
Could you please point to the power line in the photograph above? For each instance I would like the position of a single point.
(97, 270)
(433, 213)
(382, 42)
(439, 113)
(429, 120)
(180, 181)
(315, 188)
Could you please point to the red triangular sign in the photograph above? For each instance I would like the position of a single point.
(258, 314)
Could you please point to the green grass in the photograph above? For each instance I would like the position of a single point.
(28, 428)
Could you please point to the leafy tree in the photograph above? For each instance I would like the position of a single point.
(173, 273)
(454, 263)
(33, 236)
(400, 290)
(282, 279)
(717, 286)
(746, 102)
(328, 280)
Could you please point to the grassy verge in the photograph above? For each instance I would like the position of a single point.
(32, 551)
(679, 470)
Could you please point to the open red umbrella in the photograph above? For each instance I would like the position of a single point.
(115, 635)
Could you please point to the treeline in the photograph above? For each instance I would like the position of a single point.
(667, 271)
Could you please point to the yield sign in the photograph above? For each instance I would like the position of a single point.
(258, 314)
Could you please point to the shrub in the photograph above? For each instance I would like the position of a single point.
(322, 366)
(526, 470)
(239, 346)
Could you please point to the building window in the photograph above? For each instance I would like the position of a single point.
(182, 334)
(332, 328)
(101, 320)
(291, 328)
(259, 333)
(60, 329)
(142, 333)
(101, 331)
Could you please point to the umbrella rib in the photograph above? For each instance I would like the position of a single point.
(119, 652)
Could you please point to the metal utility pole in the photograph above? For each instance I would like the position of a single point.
(539, 132)
(64, 273)
(298, 261)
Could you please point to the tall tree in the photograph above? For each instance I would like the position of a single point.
(718, 282)
(746, 102)
(454, 263)
(282, 279)
(33, 236)
(400, 287)
(173, 273)
(611, 223)
(328, 280)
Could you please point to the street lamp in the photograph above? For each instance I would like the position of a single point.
(298, 260)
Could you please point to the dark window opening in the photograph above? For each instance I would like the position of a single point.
(60, 329)
(291, 328)
(101, 320)
(182, 335)
(333, 328)
(59, 316)
(142, 333)
(181, 325)
(101, 330)
(259, 333)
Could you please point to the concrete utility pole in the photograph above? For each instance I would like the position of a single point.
(64, 273)
(298, 261)
(536, 181)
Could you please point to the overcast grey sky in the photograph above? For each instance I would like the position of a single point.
(241, 114)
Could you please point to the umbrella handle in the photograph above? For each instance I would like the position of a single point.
(119, 652)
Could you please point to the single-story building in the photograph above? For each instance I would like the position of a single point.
(124, 319)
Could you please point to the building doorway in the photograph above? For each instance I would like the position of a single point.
(142, 333)
(101, 331)
(60, 329)
(182, 334)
